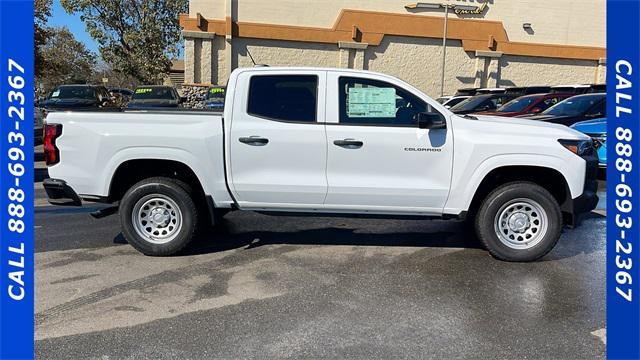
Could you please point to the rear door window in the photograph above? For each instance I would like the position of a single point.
(284, 97)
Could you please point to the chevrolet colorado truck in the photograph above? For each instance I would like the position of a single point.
(323, 141)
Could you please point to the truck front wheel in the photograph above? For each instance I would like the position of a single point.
(158, 216)
(519, 221)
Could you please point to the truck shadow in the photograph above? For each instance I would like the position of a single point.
(229, 235)
(221, 240)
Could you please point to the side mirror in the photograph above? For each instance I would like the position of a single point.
(183, 99)
(536, 110)
(431, 121)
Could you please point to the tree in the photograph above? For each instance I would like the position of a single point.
(115, 78)
(42, 11)
(137, 37)
(67, 59)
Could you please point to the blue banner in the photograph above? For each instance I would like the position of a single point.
(16, 179)
(623, 183)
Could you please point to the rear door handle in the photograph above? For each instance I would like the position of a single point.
(349, 143)
(254, 140)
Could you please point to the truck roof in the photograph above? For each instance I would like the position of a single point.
(303, 68)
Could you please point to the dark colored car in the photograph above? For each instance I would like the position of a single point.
(215, 98)
(466, 92)
(571, 89)
(528, 104)
(528, 90)
(120, 96)
(574, 109)
(479, 103)
(123, 92)
(38, 125)
(78, 97)
(155, 96)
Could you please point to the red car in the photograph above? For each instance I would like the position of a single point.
(528, 104)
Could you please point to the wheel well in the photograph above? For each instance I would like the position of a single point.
(550, 179)
(133, 171)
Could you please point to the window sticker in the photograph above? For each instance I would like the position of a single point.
(143, 90)
(372, 102)
(216, 90)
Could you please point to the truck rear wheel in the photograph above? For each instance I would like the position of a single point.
(158, 216)
(519, 221)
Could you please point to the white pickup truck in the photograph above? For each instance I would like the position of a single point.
(313, 140)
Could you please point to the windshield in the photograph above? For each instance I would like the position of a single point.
(73, 92)
(216, 94)
(573, 106)
(471, 103)
(455, 101)
(518, 104)
(154, 93)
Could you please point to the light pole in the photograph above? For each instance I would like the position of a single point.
(446, 27)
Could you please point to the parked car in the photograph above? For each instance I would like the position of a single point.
(78, 97)
(528, 90)
(466, 92)
(38, 125)
(155, 96)
(597, 130)
(491, 91)
(121, 96)
(184, 169)
(528, 104)
(126, 93)
(215, 98)
(450, 101)
(479, 103)
(598, 88)
(571, 89)
(574, 109)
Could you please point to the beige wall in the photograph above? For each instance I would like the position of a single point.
(567, 22)
(417, 60)
(516, 70)
(284, 53)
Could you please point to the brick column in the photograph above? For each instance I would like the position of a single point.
(206, 59)
(490, 70)
(189, 61)
(601, 71)
(352, 54)
(198, 56)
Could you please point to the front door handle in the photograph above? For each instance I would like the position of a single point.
(254, 140)
(349, 143)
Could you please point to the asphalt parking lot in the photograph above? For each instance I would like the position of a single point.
(311, 287)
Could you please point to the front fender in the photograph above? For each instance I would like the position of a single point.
(466, 182)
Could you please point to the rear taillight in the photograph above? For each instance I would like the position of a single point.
(50, 133)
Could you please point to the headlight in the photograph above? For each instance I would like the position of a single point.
(578, 147)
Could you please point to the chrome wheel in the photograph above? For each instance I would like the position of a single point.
(156, 218)
(521, 223)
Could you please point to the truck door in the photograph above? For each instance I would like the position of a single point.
(278, 149)
(378, 159)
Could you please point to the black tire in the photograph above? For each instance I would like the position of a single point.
(508, 196)
(164, 188)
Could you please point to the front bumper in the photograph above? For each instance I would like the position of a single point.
(572, 208)
(60, 193)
